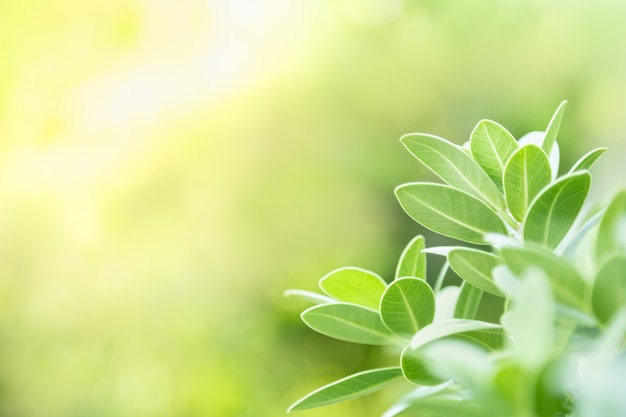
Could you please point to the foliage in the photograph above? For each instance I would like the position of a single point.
(558, 347)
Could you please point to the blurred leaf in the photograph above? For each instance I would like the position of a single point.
(491, 146)
(350, 387)
(553, 128)
(588, 160)
(611, 238)
(454, 166)
(550, 395)
(530, 320)
(569, 287)
(474, 266)
(468, 301)
(573, 242)
(526, 173)
(445, 303)
(609, 290)
(480, 331)
(405, 402)
(354, 285)
(309, 296)
(407, 305)
(348, 322)
(554, 211)
(449, 212)
(412, 262)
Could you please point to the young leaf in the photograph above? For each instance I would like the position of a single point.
(451, 327)
(449, 212)
(587, 160)
(354, 285)
(491, 146)
(309, 296)
(407, 305)
(454, 166)
(609, 290)
(569, 287)
(475, 266)
(553, 128)
(348, 322)
(468, 302)
(526, 173)
(554, 211)
(350, 387)
(612, 232)
(412, 262)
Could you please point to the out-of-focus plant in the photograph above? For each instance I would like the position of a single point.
(558, 347)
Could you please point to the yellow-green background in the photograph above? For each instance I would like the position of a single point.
(168, 168)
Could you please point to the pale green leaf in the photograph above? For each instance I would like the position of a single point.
(609, 290)
(555, 209)
(568, 286)
(588, 159)
(353, 386)
(457, 327)
(611, 238)
(309, 296)
(454, 166)
(445, 303)
(468, 302)
(553, 128)
(354, 285)
(449, 212)
(407, 305)
(530, 320)
(417, 394)
(474, 266)
(349, 322)
(412, 262)
(526, 173)
(491, 146)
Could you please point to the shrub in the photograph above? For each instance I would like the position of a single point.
(558, 346)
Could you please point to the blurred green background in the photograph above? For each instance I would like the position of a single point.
(167, 169)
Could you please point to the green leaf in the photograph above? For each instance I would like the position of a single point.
(354, 285)
(587, 160)
(412, 262)
(415, 368)
(526, 173)
(472, 329)
(348, 322)
(407, 305)
(309, 296)
(537, 138)
(553, 128)
(449, 212)
(569, 287)
(475, 266)
(612, 232)
(555, 209)
(491, 146)
(468, 302)
(454, 166)
(609, 290)
(353, 386)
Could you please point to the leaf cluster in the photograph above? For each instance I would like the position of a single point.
(559, 346)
